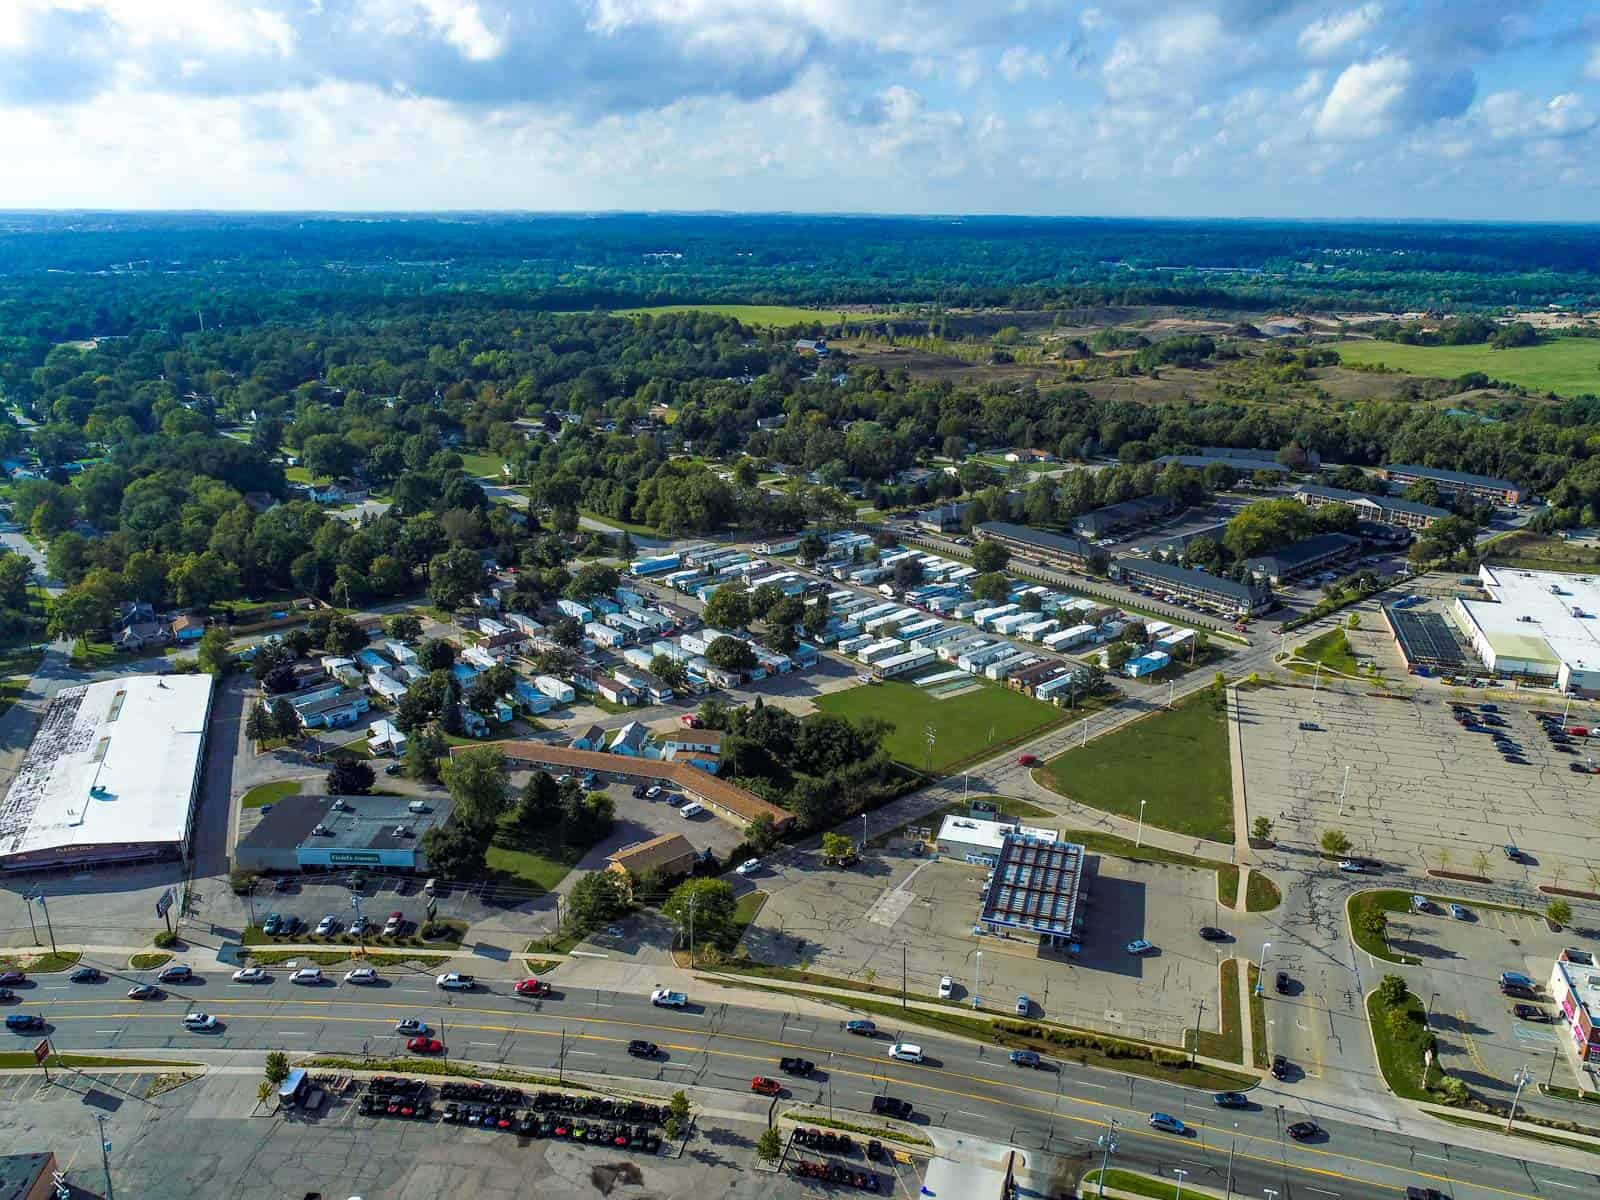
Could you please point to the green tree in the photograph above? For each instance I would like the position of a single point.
(453, 851)
(478, 782)
(992, 587)
(258, 725)
(1558, 912)
(989, 557)
(669, 670)
(761, 833)
(350, 777)
(731, 654)
(1117, 655)
(769, 1145)
(1374, 923)
(402, 627)
(1391, 990)
(80, 611)
(728, 608)
(453, 577)
(285, 721)
(836, 848)
(424, 749)
(277, 1068)
(213, 654)
(1261, 829)
(712, 903)
(596, 899)
(1335, 842)
(435, 654)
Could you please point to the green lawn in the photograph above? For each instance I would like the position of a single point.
(617, 525)
(269, 793)
(1130, 1181)
(1385, 901)
(1567, 366)
(1400, 1042)
(484, 464)
(530, 861)
(1332, 650)
(1175, 761)
(965, 727)
(1228, 1042)
(777, 315)
(1261, 894)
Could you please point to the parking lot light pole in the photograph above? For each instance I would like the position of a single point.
(1180, 1173)
(1139, 840)
(27, 905)
(39, 899)
(1261, 974)
(1523, 1079)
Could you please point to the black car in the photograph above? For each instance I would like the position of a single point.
(1529, 1012)
(1231, 1100)
(1302, 1131)
(638, 791)
(177, 973)
(891, 1106)
(87, 975)
(1281, 982)
(13, 977)
(796, 1066)
(1212, 934)
(1280, 1067)
(642, 1049)
(1421, 1193)
(1520, 991)
(7, 995)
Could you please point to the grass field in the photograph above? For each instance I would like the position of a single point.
(269, 793)
(483, 464)
(1566, 366)
(1536, 552)
(1332, 650)
(1401, 1037)
(777, 315)
(1176, 762)
(531, 862)
(965, 727)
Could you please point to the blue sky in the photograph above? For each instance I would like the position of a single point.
(1356, 108)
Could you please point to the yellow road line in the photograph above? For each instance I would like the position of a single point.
(1052, 1113)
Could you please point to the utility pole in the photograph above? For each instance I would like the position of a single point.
(1107, 1142)
(902, 974)
(105, 1153)
(27, 906)
(691, 930)
(1195, 1053)
(1232, 1146)
(47, 923)
(1180, 1173)
(561, 1059)
(1523, 1079)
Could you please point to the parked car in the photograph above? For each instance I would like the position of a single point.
(653, 792)
(1529, 1012)
(328, 926)
(947, 987)
(1025, 1058)
(1280, 1067)
(395, 924)
(1460, 913)
(1516, 977)
(1518, 991)
(1140, 946)
(1421, 904)
(272, 925)
(1350, 866)
(1024, 1005)
(749, 866)
(1280, 983)
(1513, 853)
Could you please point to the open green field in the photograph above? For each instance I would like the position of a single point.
(483, 465)
(1538, 552)
(1332, 650)
(965, 727)
(777, 315)
(1175, 761)
(269, 793)
(1567, 366)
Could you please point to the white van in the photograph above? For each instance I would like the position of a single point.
(690, 810)
(906, 1052)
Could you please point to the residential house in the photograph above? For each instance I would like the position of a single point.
(631, 740)
(345, 670)
(141, 635)
(384, 737)
(592, 738)
(387, 684)
(474, 723)
(343, 707)
(188, 628)
(669, 855)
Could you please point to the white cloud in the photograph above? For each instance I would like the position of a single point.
(1512, 115)
(1362, 97)
(459, 23)
(1310, 86)
(1018, 61)
(1333, 34)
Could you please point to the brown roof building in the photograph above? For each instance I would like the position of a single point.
(670, 854)
(728, 799)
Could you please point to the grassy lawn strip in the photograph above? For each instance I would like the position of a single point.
(1228, 886)
(778, 316)
(1084, 1046)
(484, 465)
(973, 725)
(435, 1066)
(42, 964)
(148, 962)
(1400, 1042)
(1176, 762)
(745, 910)
(1498, 1127)
(1261, 894)
(269, 793)
(1332, 650)
(11, 1059)
(1121, 847)
(1258, 1018)
(1228, 1043)
(866, 1131)
(616, 524)
(1132, 1182)
(538, 966)
(1380, 901)
(532, 861)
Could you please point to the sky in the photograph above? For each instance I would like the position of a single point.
(1455, 109)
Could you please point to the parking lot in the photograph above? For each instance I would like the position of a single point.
(1407, 784)
(1479, 1039)
(855, 923)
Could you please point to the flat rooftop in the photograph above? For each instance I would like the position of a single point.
(1037, 886)
(348, 822)
(112, 768)
(976, 831)
(1540, 615)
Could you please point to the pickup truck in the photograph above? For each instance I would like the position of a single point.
(662, 998)
(796, 1066)
(454, 981)
(890, 1106)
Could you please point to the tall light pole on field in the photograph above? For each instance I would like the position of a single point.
(1139, 840)
(1261, 974)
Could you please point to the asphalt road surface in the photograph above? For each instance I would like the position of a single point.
(1062, 1109)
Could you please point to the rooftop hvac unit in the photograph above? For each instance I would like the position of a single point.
(322, 831)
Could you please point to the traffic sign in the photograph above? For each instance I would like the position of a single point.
(163, 902)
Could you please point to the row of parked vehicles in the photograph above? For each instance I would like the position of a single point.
(837, 1174)
(599, 1120)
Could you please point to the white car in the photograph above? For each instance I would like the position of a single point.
(327, 926)
(249, 975)
(307, 975)
(947, 986)
(455, 981)
(199, 1020)
(361, 975)
(412, 1027)
(749, 866)
(665, 998)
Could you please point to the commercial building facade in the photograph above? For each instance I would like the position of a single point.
(1537, 625)
(329, 833)
(1304, 558)
(1575, 990)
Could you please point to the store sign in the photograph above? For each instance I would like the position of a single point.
(369, 857)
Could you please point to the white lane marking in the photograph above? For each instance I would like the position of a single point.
(1086, 1083)
(1553, 1183)
(55, 987)
(599, 1004)
(483, 1043)
(797, 1029)
(1435, 1157)
(285, 1033)
(1321, 1191)
(108, 1031)
(961, 1112)
(589, 1053)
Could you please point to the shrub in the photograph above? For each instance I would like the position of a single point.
(1392, 990)
(165, 939)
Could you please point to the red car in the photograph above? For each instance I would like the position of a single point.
(533, 987)
(690, 721)
(764, 1086)
(1028, 760)
(425, 1045)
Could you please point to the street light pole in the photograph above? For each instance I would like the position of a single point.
(1139, 840)
(1261, 974)
(1232, 1146)
(47, 923)
(1180, 1173)
(105, 1153)
(1107, 1142)
(1523, 1079)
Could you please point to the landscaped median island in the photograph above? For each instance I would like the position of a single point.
(1331, 650)
(1174, 763)
(1228, 1043)
(1085, 1047)
(1117, 1180)
(1368, 915)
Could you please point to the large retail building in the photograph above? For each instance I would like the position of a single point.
(1538, 625)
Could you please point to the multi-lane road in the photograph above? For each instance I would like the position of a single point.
(1062, 1108)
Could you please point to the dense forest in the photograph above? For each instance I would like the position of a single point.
(391, 351)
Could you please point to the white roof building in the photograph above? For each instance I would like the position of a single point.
(1541, 624)
(112, 774)
(975, 836)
